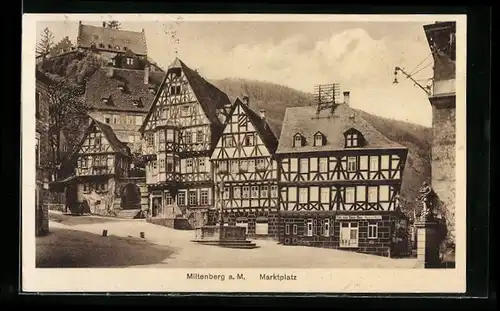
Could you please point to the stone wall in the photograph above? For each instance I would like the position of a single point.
(443, 164)
(383, 245)
(271, 218)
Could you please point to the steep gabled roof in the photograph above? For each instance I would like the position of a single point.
(109, 134)
(208, 95)
(100, 86)
(132, 40)
(264, 130)
(305, 121)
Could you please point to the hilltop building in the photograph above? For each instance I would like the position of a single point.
(245, 168)
(441, 39)
(179, 134)
(339, 181)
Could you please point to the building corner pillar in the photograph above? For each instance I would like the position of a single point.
(428, 242)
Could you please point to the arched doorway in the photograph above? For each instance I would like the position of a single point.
(131, 197)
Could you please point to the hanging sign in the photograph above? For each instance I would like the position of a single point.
(358, 217)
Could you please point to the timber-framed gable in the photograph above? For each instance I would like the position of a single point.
(339, 183)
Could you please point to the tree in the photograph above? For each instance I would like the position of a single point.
(62, 46)
(67, 112)
(46, 42)
(113, 24)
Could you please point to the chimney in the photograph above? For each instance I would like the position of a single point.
(246, 100)
(146, 74)
(263, 114)
(110, 71)
(346, 97)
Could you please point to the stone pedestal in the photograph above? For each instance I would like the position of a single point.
(428, 244)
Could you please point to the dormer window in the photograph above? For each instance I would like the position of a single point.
(107, 101)
(125, 48)
(298, 140)
(319, 139)
(110, 46)
(117, 47)
(130, 61)
(138, 103)
(92, 45)
(353, 138)
(122, 88)
(101, 45)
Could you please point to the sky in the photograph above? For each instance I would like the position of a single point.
(360, 56)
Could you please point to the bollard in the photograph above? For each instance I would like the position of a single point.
(104, 232)
(143, 236)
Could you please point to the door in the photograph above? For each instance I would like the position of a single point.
(261, 226)
(157, 206)
(349, 234)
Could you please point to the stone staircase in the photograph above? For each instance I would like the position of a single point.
(241, 244)
(128, 213)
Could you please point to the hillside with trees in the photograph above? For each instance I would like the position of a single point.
(276, 98)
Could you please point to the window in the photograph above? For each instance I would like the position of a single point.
(372, 231)
(325, 195)
(274, 191)
(225, 194)
(351, 164)
(117, 47)
(295, 230)
(237, 192)
(192, 198)
(349, 234)
(303, 195)
(318, 139)
(297, 140)
(244, 165)
(189, 164)
(349, 195)
(323, 165)
(163, 113)
(176, 90)
(352, 140)
(150, 139)
(181, 198)
(261, 164)
(255, 192)
(168, 199)
(251, 165)
(162, 165)
(373, 194)
(97, 141)
(304, 165)
(138, 120)
(170, 135)
(223, 166)
(235, 166)
(37, 149)
(361, 193)
(228, 141)
(264, 193)
(116, 119)
(245, 192)
(199, 137)
(107, 119)
(130, 61)
(201, 164)
(248, 141)
(287, 229)
(185, 111)
(188, 138)
(170, 164)
(326, 228)
(309, 228)
(37, 105)
(161, 136)
(204, 197)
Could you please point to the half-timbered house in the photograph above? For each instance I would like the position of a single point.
(102, 162)
(179, 135)
(121, 98)
(244, 165)
(339, 180)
